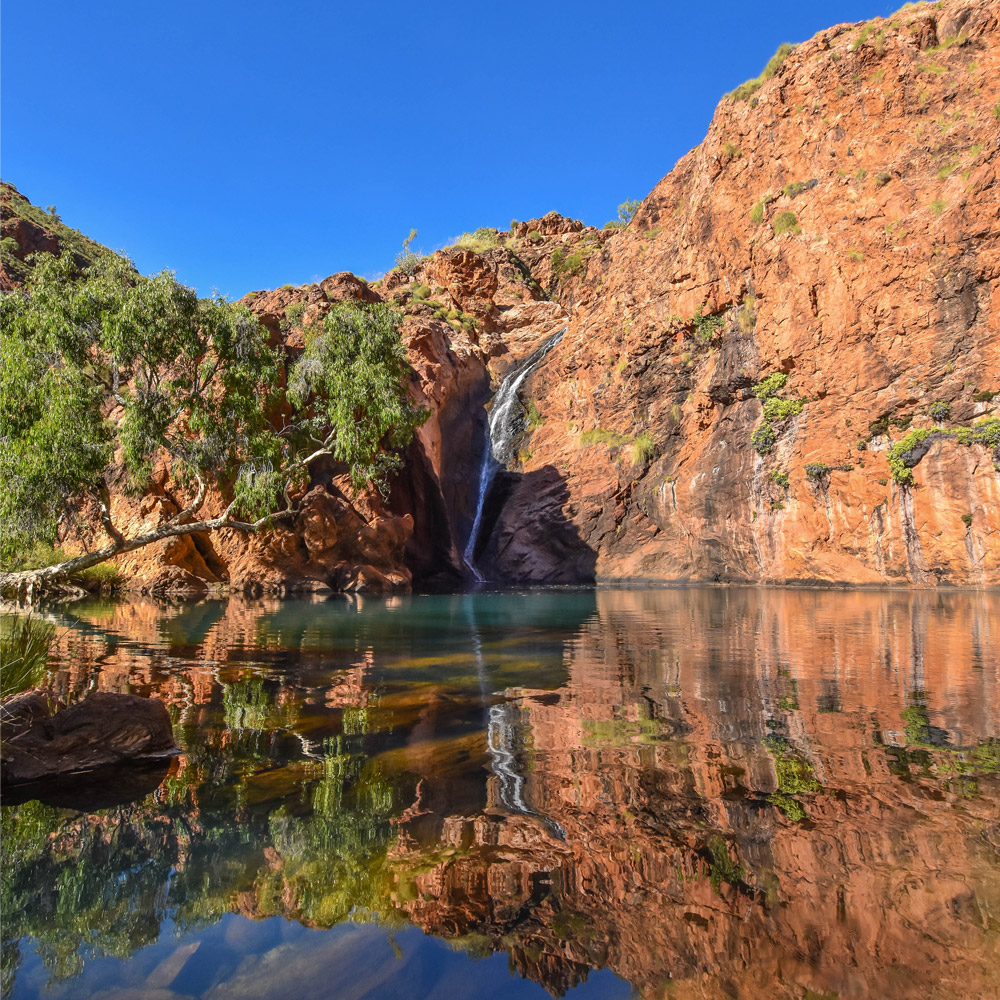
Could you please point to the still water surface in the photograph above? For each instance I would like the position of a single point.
(704, 793)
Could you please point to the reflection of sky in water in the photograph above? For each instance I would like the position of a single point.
(667, 784)
(282, 960)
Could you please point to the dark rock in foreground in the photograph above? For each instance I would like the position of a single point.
(104, 729)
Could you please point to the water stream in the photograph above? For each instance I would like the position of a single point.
(502, 431)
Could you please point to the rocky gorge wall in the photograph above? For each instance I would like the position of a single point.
(876, 145)
(786, 368)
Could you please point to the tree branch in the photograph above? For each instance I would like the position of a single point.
(181, 517)
(113, 533)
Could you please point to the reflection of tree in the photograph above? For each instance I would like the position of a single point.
(247, 705)
(97, 887)
(88, 885)
(333, 860)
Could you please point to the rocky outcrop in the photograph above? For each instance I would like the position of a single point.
(43, 741)
(752, 371)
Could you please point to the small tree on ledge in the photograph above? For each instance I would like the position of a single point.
(626, 210)
(108, 373)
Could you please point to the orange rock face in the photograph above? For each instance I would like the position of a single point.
(880, 301)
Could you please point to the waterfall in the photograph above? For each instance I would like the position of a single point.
(502, 430)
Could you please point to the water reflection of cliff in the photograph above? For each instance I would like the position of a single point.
(762, 794)
(717, 793)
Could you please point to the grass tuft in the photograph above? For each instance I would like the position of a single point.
(746, 90)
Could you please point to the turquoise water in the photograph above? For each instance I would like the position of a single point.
(684, 793)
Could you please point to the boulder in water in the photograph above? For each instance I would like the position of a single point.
(42, 740)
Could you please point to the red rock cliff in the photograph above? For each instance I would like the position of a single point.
(811, 291)
(875, 149)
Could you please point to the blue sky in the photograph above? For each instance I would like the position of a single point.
(249, 144)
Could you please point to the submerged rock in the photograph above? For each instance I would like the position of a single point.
(42, 739)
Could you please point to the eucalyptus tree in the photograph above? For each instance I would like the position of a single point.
(108, 373)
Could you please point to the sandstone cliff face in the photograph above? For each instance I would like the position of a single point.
(838, 229)
(881, 300)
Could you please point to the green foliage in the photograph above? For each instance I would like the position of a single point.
(780, 478)
(194, 381)
(533, 419)
(967, 520)
(985, 432)
(901, 460)
(187, 376)
(897, 455)
(877, 428)
(627, 210)
(862, 36)
(770, 386)
(407, 260)
(565, 265)
(480, 240)
(25, 643)
(984, 395)
(643, 448)
(351, 378)
(746, 90)
(757, 212)
(747, 315)
(939, 411)
(938, 206)
(776, 409)
(817, 471)
(103, 578)
(706, 327)
(294, 312)
(957, 40)
(796, 188)
(785, 222)
(599, 435)
(763, 439)
(882, 178)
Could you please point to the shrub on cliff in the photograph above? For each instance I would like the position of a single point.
(480, 240)
(785, 222)
(111, 375)
(406, 260)
(746, 90)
